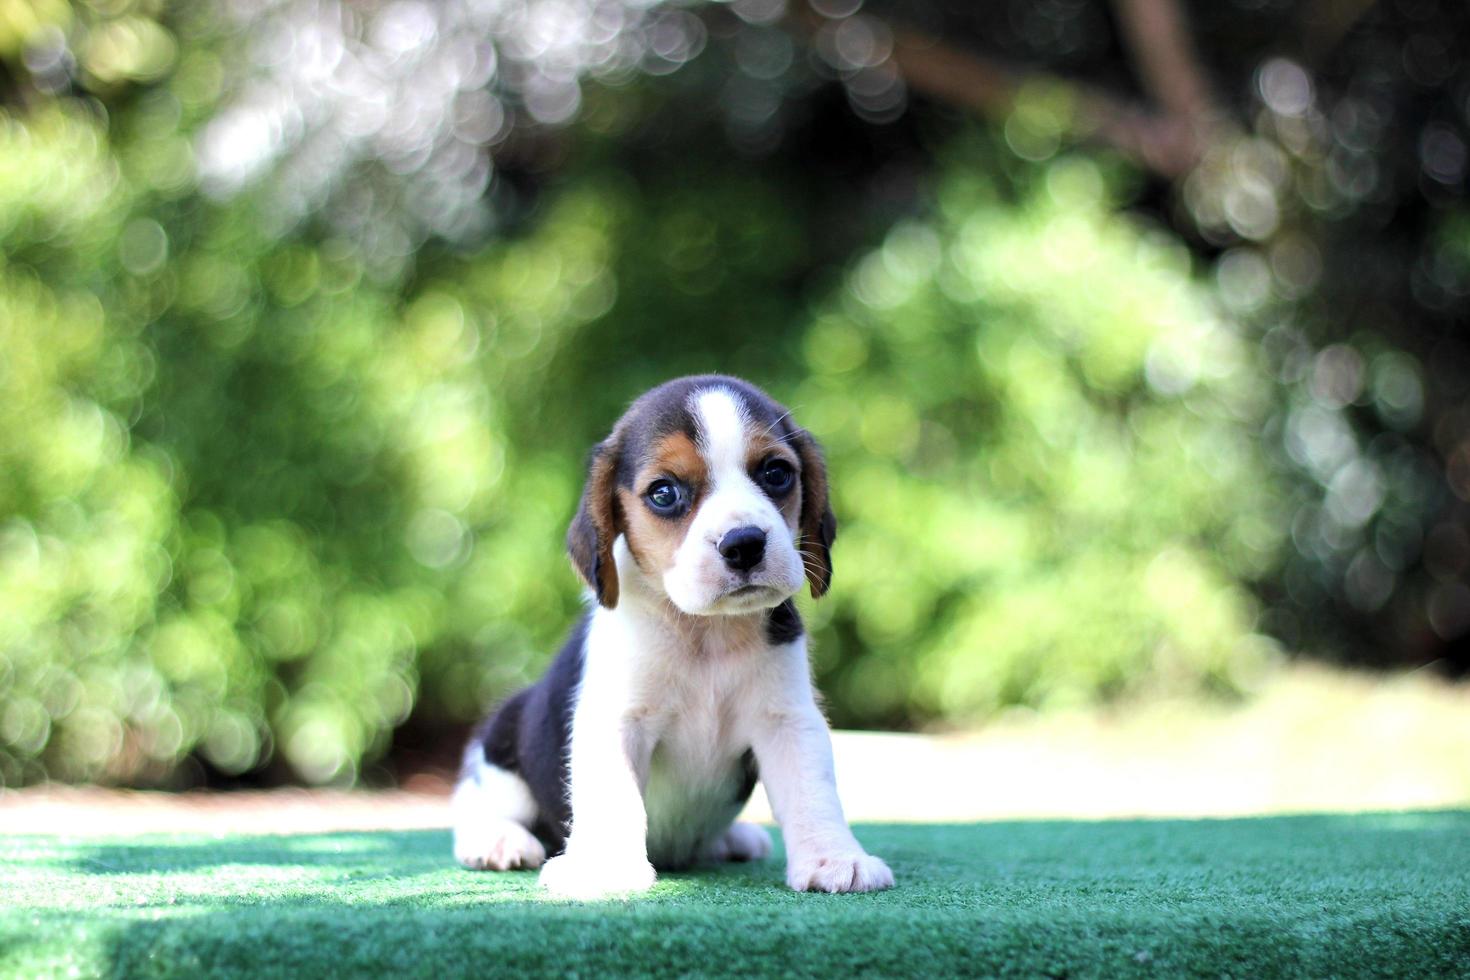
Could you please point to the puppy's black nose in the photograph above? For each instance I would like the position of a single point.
(743, 548)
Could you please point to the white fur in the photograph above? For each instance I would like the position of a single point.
(722, 421)
(668, 705)
(492, 811)
(699, 582)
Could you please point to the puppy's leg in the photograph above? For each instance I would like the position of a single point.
(794, 750)
(607, 850)
(742, 842)
(492, 809)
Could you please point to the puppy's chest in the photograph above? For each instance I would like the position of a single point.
(698, 778)
(696, 686)
(699, 773)
(698, 717)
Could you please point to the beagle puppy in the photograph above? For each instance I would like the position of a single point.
(687, 680)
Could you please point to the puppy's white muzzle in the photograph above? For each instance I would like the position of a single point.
(710, 576)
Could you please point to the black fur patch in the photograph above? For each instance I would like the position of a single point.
(665, 410)
(783, 624)
(749, 773)
(530, 736)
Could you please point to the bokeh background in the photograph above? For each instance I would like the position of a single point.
(1134, 331)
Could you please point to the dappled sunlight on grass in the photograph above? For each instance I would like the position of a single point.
(338, 844)
(1447, 821)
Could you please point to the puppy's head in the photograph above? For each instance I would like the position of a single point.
(720, 497)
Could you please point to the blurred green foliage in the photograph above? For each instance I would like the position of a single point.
(1049, 471)
(258, 506)
(292, 419)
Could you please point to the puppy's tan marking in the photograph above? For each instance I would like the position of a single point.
(596, 526)
(653, 539)
(675, 455)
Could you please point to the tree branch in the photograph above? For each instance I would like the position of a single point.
(1166, 145)
(1156, 36)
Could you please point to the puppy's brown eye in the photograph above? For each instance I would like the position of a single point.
(665, 496)
(777, 476)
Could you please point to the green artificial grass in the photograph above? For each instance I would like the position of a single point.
(1361, 895)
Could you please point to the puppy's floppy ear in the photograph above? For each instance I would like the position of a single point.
(596, 526)
(818, 525)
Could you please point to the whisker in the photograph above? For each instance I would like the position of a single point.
(776, 423)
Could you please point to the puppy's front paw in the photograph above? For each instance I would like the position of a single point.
(586, 877)
(839, 873)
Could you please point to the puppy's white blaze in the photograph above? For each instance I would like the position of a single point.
(734, 500)
(721, 424)
(698, 577)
